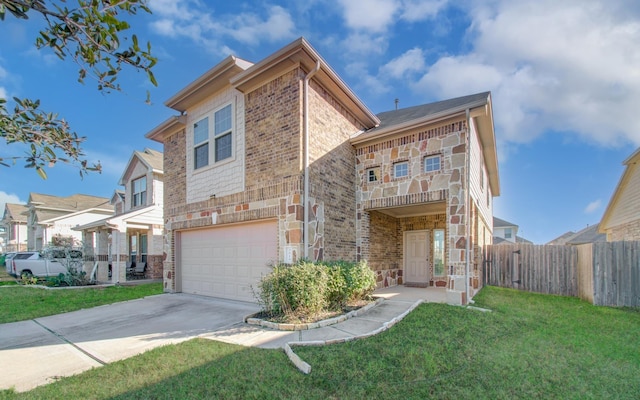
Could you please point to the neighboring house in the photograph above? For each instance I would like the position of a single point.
(590, 234)
(505, 232)
(14, 222)
(279, 161)
(49, 216)
(133, 234)
(621, 219)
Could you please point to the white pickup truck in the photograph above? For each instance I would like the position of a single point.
(34, 263)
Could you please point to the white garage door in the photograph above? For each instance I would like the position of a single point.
(227, 261)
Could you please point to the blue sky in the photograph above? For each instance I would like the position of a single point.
(564, 77)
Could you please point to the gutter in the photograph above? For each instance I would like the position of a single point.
(307, 78)
(468, 208)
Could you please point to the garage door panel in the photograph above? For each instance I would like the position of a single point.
(227, 261)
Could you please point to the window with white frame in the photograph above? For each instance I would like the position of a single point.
(508, 233)
(432, 163)
(373, 174)
(201, 143)
(139, 192)
(401, 169)
(218, 147)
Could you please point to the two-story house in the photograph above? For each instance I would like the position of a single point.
(14, 222)
(51, 216)
(133, 234)
(280, 160)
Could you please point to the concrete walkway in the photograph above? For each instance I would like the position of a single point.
(39, 351)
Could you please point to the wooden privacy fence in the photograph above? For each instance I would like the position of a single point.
(604, 273)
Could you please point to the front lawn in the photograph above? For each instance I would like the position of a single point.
(19, 303)
(530, 346)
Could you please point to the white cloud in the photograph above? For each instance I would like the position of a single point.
(417, 10)
(3, 73)
(369, 15)
(9, 198)
(593, 206)
(358, 44)
(560, 66)
(411, 61)
(189, 19)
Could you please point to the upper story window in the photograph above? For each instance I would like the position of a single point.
(401, 169)
(507, 233)
(217, 147)
(373, 174)
(432, 163)
(139, 192)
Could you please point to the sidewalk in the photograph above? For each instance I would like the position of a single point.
(398, 302)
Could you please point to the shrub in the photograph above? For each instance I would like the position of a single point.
(361, 280)
(311, 288)
(297, 288)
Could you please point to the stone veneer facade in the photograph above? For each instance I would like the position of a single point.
(628, 231)
(380, 237)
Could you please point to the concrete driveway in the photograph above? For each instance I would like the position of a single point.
(36, 352)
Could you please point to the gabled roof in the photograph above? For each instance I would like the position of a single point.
(117, 196)
(211, 81)
(427, 111)
(476, 106)
(17, 212)
(301, 53)
(631, 164)
(562, 239)
(589, 234)
(152, 159)
(73, 203)
(245, 77)
(497, 222)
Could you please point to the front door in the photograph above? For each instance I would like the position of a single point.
(416, 257)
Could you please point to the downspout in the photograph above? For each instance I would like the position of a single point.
(468, 209)
(305, 100)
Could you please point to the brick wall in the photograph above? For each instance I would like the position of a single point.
(273, 126)
(332, 178)
(174, 156)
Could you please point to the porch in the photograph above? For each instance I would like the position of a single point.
(412, 294)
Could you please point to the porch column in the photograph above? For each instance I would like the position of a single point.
(457, 222)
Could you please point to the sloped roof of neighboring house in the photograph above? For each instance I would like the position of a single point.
(589, 234)
(562, 239)
(48, 207)
(152, 159)
(148, 215)
(118, 195)
(497, 222)
(624, 187)
(520, 239)
(17, 212)
(476, 106)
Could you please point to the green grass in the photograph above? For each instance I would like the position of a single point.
(19, 303)
(530, 346)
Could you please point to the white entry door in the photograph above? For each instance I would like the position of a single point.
(416, 257)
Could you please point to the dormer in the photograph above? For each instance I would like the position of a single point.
(142, 180)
